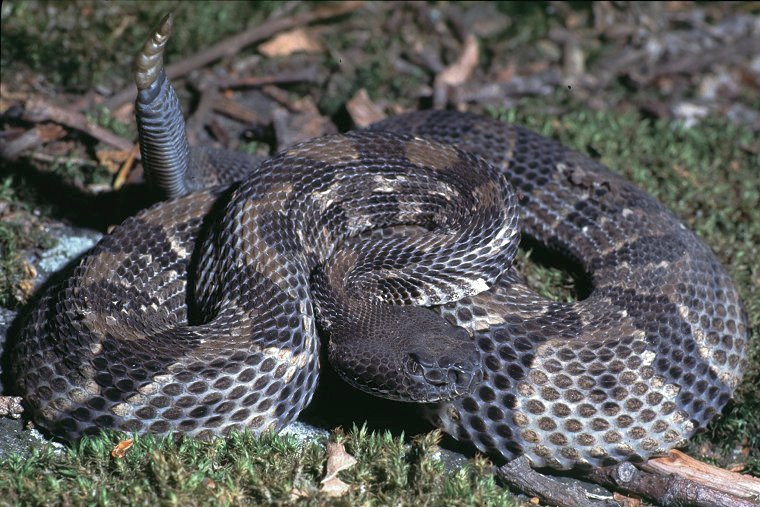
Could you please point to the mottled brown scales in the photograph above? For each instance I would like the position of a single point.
(102, 268)
(330, 151)
(420, 152)
(487, 194)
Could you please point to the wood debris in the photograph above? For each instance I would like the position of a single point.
(120, 450)
(337, 460)
(10, 406)
(457, 73)
(298, 40)
(363, 111)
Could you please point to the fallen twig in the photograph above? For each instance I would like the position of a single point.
(202, 114)
(687, 467)
(219, 133)
(637, 63)
(519, 475)
(126, 167)
(667, 489)
(302, 105)
(543, 83)
(697, 62)
(38, 110)
(675, 480)
(307, 74)
(234, 44)
(35, 136)
(236, 111)
(50, 159)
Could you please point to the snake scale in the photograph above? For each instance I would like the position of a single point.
(204, 313)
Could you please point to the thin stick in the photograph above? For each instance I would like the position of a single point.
(44, 157)
(234, 44)
(126, 167)
(678, 463)
(308, 74)
(37, 135)
(38, 110)
(519, 475)
(236, 111)
(197, 122)
(668, 489)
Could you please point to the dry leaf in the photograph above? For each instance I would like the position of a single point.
(335, 487)
(298, 493)
(112, 159)
(294, 128)
(337, 459)
(121, 448)
(461, 70)
(292, 41)
(30, 271)
(7, 97)
(363, 111)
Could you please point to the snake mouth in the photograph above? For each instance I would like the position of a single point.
(445, 378)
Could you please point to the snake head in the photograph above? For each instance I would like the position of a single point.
(411, 354)
(444, 377)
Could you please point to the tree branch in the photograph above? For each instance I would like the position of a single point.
(679, 480)
(676, 480)
(519, 475)
(38, 110)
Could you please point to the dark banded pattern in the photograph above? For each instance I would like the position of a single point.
(201, 314)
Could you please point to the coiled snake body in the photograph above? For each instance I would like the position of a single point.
(201, 314)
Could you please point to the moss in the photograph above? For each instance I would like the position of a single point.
(17, 233)
(244, 469)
